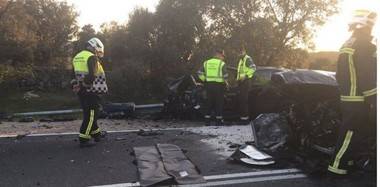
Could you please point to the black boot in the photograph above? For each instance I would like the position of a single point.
(99, 136)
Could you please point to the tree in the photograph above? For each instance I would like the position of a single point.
(35, 33)
(281, 25)
(41, 27)
(86, 33)
(179, 26)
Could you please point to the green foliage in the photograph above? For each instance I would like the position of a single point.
(34, 34)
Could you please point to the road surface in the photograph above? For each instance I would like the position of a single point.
(57, 160)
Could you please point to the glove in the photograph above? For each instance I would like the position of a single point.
(75, 85)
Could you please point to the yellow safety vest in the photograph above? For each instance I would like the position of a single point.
(243, 70)
(214, 70)
(81, 70)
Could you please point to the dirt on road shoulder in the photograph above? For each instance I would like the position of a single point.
(19, 128)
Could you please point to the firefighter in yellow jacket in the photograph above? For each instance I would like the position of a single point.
(246, 69)
(356, 77)
(89, 84)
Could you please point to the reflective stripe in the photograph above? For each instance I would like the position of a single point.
(90, 122)
(347, 50)
(350, 52)
(352, 98)
(219, 117)
(84, 136)
(370, 92)
(342, 150)
(337, 171)
(352, 75)
(95, 131)
(207, 116)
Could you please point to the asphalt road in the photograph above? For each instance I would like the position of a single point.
(58, 161)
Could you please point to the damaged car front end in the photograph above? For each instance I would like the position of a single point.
(294, 110)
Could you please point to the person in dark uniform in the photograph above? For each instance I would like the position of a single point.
(89, 84)
(356, 77)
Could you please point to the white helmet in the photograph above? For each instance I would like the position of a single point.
(362, 18)
(97, 45)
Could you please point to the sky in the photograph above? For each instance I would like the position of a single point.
(328, 37)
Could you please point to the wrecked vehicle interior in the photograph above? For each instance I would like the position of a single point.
(295, 114)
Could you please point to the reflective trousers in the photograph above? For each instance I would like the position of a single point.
(355, 121)
(90, 105)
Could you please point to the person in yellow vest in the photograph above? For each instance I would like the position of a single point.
(246, 69)
(89, 84)
(214, 74)
(356, 77)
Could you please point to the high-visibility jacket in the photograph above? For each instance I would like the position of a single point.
(356, 70)
(246, 68)
(80, 63)
(213, 70)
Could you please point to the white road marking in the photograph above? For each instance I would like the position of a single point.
(235, 178)
(120, 185)
(75, 133)
(250, 174)
(247, 180)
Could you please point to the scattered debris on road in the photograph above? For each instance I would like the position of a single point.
(149, 133)
(249, 154)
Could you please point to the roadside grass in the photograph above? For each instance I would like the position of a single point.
(14, 102)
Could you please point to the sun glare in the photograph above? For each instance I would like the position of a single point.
(331, 36)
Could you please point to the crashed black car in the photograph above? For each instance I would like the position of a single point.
(272, 90)
(300, 106)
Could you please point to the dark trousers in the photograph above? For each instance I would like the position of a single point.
(355, 121)
(243, 87)
(90, 105)
(215, 99)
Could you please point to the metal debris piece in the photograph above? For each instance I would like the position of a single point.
(254, 153)
(255, 162)
(270, 131)
(249, 154)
